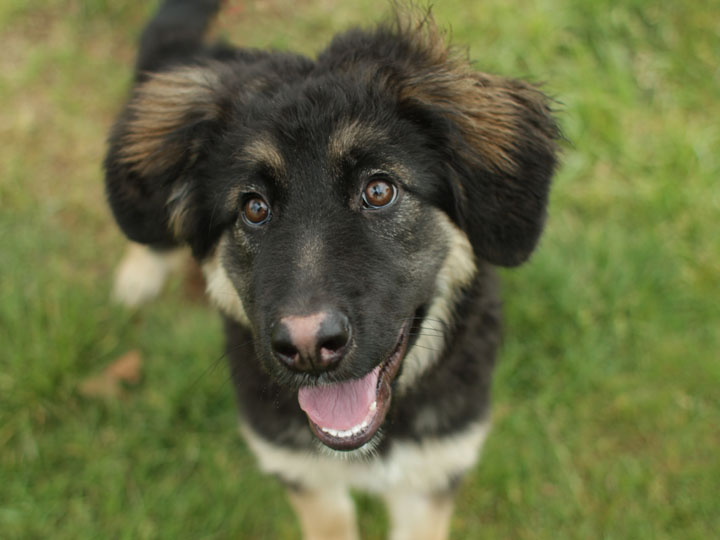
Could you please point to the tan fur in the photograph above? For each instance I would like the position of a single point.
(263, 150)
(353, 135)
(328, 514)
(220, 288)
(165, 103)
(178, 207)
(418, 516)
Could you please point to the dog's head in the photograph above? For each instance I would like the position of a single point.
(337, 205)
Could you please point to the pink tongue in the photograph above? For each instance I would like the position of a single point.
(342, 405)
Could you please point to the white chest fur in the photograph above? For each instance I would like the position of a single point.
(425, 466)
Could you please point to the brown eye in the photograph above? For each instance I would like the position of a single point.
(379, 193)
(255, 210)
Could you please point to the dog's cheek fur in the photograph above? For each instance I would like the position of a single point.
(452, 279)
(221, 287)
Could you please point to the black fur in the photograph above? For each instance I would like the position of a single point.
(208, 125)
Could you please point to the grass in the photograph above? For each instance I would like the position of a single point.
(607, 410)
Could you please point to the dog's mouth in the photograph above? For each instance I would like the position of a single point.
(346, 415)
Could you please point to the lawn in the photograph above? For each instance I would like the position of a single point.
(607, 396)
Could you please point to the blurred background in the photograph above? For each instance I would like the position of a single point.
(120, 424)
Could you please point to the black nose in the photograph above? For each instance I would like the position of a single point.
(314, 342)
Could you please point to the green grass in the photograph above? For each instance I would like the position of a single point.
(607, 409)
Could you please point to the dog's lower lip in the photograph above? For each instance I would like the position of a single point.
(358, 435)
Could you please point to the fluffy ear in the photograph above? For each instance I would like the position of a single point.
(156, 150)
(498, 138)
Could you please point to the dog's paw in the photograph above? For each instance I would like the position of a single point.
(142, 273)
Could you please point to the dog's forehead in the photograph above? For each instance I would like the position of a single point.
(320, 123)
(317, 149)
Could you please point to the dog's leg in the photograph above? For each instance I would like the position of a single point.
(325, 514)
(142, 273)
(417, 516)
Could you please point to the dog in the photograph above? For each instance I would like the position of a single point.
(347, 212)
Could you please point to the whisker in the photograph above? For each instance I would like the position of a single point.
(428, 334)
(433, 349)
(209, 369)
(441, 321)
(215, 363)
(429, 319)
(433, 327)
(212, 215)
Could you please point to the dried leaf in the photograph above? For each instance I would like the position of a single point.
(109, 384)
(126, 368)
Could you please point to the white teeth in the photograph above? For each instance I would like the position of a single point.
(373, 406)
(348, 432)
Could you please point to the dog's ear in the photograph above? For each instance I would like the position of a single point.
(156, 152)
(497, 136)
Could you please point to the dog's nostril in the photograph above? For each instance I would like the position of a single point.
(335, 343)
(286, 350)
(282, 344)
(334, 332)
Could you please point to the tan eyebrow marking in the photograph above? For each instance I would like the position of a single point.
(263, 150)
(353, 134)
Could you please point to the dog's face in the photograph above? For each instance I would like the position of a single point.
(330, 201)
(336, 246)
(337, 229)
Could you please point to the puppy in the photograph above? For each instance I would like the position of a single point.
(347, 212)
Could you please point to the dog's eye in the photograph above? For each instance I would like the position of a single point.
(255, 210)
(379, 193)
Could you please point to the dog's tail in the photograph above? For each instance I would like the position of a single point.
(174, 34)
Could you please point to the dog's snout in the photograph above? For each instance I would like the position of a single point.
(314, 342)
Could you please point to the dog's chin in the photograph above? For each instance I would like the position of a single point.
(358, 430)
